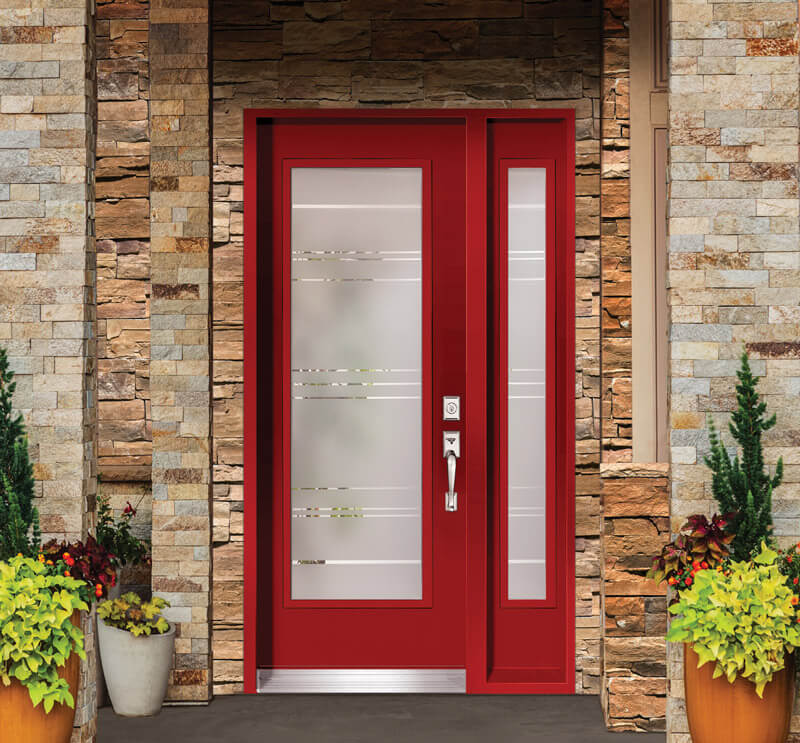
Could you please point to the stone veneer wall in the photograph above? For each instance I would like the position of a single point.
(122, 193)
(47, 262)
(180, 191)
(411, 54)
(123, 242)
(734, 278)
(615, 226)
(635, 526)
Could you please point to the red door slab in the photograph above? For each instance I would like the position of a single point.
(354, 562)
(359, 625)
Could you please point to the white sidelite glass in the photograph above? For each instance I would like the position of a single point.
(356, 358)
(527, 349)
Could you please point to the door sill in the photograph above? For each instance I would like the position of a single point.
(361, 681)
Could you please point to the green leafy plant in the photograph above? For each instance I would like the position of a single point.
(19, 518)
(702, 545)
(742, 484)
(741, 617)
(36, 632)
(89, 562)
(116, 535)
(138, 617)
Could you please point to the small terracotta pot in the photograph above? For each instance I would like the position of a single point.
(21, 722)
(734, 713)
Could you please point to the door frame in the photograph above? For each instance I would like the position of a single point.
(476, 412)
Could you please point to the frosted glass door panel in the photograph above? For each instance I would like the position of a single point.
(527, 410)
(356, 409)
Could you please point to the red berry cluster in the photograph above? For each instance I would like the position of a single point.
(685, 578)
(789, 564)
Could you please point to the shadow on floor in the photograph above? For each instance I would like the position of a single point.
(384, 718)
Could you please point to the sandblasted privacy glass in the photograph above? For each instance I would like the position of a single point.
(527, 439)
(356, 381)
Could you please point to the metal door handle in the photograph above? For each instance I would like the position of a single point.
(452, 451)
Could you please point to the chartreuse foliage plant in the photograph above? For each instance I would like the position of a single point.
(741, 617)
(133, 615)
(36, 632)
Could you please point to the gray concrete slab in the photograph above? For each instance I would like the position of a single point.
(389, 718)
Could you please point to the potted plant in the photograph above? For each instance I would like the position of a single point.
(40, 646)
(735, 610)
(136, 646)
(740, 629)
(117, 536)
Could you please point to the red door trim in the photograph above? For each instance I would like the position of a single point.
(257, 198)
(476, 408)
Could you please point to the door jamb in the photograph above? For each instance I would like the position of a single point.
(476, 609)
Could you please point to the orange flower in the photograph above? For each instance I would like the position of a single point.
(66, 573)
(795, 600)
(49, 562)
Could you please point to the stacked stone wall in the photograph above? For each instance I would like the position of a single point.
(635, 526)
(734, 254)
(411, 54)
(180, 352)
(47, 262)
(123, 242)
(616, 285)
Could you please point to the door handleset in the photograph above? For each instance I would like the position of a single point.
(451, 441)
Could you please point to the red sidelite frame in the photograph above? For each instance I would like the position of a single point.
(507, 649)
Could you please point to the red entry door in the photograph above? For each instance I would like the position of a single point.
(369, 567)
(410, 320)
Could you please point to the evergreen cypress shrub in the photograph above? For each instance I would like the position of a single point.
(742, 485)
(19, 518)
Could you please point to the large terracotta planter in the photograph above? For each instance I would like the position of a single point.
(21, 722)
(734, 713)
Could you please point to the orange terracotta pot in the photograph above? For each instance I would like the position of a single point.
(21, 722)
(734, 713)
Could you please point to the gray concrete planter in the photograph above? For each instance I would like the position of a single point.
(102, 689)
(136, 669)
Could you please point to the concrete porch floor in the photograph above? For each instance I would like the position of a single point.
(384, 718)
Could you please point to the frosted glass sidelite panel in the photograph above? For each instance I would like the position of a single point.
(527, 350)
(356, 359)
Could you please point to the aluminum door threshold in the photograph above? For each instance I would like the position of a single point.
(361, 681)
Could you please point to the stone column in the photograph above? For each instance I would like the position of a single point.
(734, 273)
(615, 236)
(47, 260)
(179, 368)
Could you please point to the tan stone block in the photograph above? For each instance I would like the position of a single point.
(14, 104)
